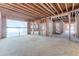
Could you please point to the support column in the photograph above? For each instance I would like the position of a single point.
(33, 29)
(47, 34)
(28, 28)
(54, 27)
(39, 27)
(69, 16)
(2, 26)
(61, 26)
(77, 23)
(50, 27)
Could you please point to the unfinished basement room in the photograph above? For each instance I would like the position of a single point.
(39, 29)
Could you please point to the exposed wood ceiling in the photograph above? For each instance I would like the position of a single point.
(39, 10)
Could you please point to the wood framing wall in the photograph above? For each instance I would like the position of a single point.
(45, 26)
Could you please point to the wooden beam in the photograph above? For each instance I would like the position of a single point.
(54, 8)
(66, 7)
(6, 6)
(47, 8)
(60, 7)
(16, 6)
(50, 8)
(36, 9)
(1, 7)
(73, 6)
(42, 9)
(21, 6)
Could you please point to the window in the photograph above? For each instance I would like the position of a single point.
(16, 28)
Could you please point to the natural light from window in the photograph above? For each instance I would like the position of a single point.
(16, 28)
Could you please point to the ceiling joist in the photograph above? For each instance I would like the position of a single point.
(73, 6)
(47, 8)
(60, 7)
(66, 7)
(54, 8)
(40, 10)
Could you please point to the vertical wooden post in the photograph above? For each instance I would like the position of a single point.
(28, 27)
(69, 16)
(2, 26)
(54, 27)
(38, 27)
(47, 26)
(50, 27)
(33, 27)
(61, 25)
(77, 23)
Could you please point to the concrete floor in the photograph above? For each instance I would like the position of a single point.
(33, 45)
